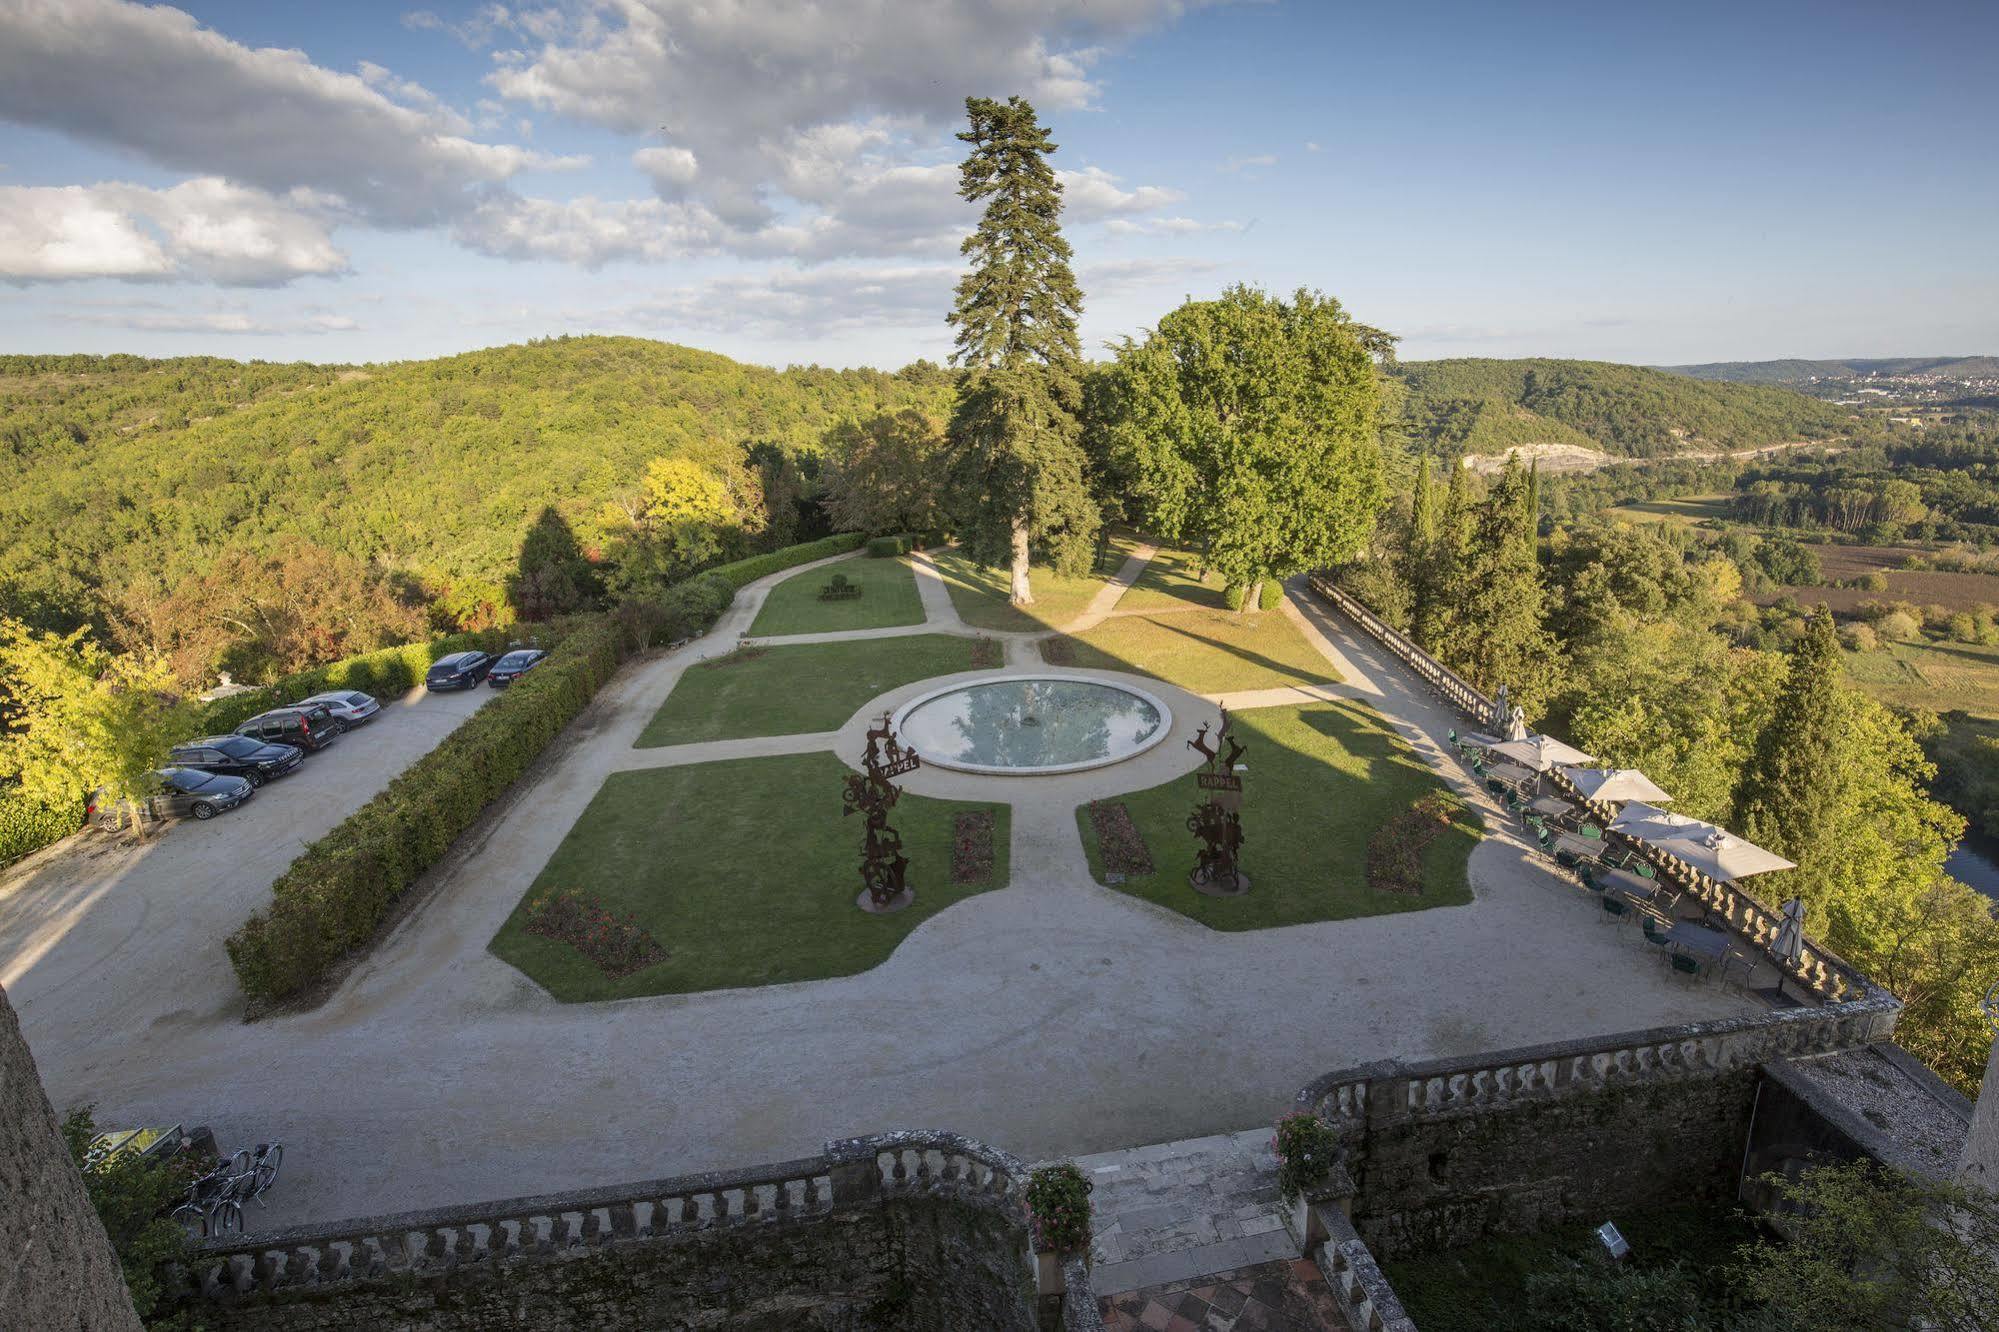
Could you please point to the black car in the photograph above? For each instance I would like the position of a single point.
(306, 726)
(460, 670)
(514, 665)
(174, 793)
(237, 756)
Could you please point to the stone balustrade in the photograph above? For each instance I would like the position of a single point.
(1367, 1301)
(1355, 1100)
(1443, 681)
(852, 1172)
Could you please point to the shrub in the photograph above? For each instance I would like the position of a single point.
(1875, 581)
(1859, 638)
(1307, 1149)
(1233, 596)
(1058, 1202)
(755, 567)
(1271, 595)
(616, 945)
(130, 1194)
(884, 547)
(29, 825)
(1898, 626)
(1963, 627)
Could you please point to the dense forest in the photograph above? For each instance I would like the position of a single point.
(1484, 406)
(122, 478)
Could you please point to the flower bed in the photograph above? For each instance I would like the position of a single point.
(987, 654)
(1119, 842)
(972, 846)
(617, 945)
(1058, 1201)
(1059, 651)
(1395, 851)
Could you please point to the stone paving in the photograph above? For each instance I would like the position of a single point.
(1288, 1295)
(1050, 1017)
(1174, 1210)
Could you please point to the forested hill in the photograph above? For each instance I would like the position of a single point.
(1488, 406)
(118, 470)
(1804, 372)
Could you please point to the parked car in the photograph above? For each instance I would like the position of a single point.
(460, 670)
(237, 756)
(176, 793)
(303, 727)
(350, 706)
(514, 665)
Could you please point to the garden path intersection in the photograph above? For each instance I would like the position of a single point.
(1050, 1015)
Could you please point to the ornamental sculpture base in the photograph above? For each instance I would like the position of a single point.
(866, 902)
(1218, 885)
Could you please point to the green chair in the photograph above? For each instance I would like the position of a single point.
(1589, 832)
(1645, 871)
(1684, 965)
(1655, 935)
(1614, 909)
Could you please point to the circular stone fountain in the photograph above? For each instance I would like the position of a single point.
(1027, 725)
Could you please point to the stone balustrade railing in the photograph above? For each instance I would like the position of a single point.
(1445, 682)
(1366, 1300)
(851, 1172)
(1352, 1100)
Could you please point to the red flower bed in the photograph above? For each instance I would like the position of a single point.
(1059, 651)
(972, 846)
(1395, 852)
(987, 654)
(618, 946)
(1119, 841)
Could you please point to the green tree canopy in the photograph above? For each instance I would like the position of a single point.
(886, 473)
(1018, 466)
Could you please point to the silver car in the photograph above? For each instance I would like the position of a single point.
(350, 707)
(173, 793)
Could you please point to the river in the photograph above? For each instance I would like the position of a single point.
(1976, 862)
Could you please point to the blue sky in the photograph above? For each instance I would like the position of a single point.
(374, 181)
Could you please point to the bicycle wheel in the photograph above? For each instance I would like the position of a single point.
(191, 1219)
(226, 1218)
(267, 1166)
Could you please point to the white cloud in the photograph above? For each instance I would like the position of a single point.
(1093, 194)
(215, 321)
(795, 303)
(1166, 226)
(1311, 147)
(203, 228)
(1254, 161)
(153, 81)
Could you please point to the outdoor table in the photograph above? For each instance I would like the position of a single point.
(1510, 773)
(1480, 739)
(1580, 848)
(1553, 806)
(1629, 884)
(1690, 937)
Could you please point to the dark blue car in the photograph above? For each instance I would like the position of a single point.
(514, 665)
(460, 670)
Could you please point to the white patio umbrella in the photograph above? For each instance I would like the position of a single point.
(1540, 752)
(1616, 785)
(1789, 945)
(1724, 856)
(1516, 723)
(1649, 823)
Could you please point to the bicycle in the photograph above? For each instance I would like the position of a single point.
(214, 1203)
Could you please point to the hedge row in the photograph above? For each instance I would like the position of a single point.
(386, 674)
(884, 547)
(337, 894)
(29, 825)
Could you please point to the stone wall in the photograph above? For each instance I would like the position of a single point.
(58, 1270)
(916, 1264)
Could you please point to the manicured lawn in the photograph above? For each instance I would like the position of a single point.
(796, 689)
(1321, 778)
(1172, 581)
(1205, 651)
(888, 598)
(744, 871)
(981, 595)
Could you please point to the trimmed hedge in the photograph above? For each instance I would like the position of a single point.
(28, 825)
(335, 896)
(1270, 595)
(1233, 596)
(385, 673)
(885, 547)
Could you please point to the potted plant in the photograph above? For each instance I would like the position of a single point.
(1307, 1152)
(1058, 1208)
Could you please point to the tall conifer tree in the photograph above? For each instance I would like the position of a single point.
(1789, 793)
(1018, 466)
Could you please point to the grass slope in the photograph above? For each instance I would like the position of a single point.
(888, 599)
(798, 689)
(1321, 778)
(1202, 651)
(745, 871)
(980, 595)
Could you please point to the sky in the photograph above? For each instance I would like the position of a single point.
(776, 181)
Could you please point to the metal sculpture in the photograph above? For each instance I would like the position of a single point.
(872, 794)
(1217, 820)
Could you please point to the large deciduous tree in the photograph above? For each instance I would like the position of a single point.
(885, 473)
(1251, 424)
(1017, 465)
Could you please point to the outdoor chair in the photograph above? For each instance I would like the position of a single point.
(1655, 936)
(1684, 965)
(1614, 909)
(1494, 785)
(1589, 879)
(1589, 832)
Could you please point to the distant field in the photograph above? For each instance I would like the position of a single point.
(1686, 509)
(1956, 591)
(1942, 677)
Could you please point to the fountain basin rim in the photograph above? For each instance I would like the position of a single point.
(1052, 769)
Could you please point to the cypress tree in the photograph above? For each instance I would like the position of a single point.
(1018, 463)
(1534, 500)
(1417, 555)
(1789, 791)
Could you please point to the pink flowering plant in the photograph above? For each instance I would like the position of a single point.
(1307, 1150)
(1058, 1202)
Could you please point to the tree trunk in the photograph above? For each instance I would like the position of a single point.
(1022, 594)
(1250, 597)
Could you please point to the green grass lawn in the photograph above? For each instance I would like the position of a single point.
(1321, 778)
(800, 688)
(1204, 651)
(888, 598)
(745, 871)
(1172, 581)
(1685, 509)
(1942, 677)
(980, 595)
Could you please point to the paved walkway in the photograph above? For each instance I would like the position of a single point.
(1052, 1016)
(1175, 1210)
